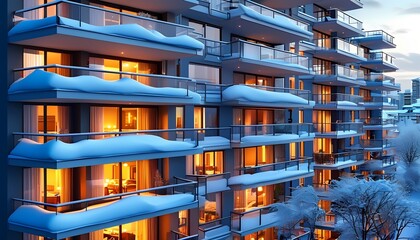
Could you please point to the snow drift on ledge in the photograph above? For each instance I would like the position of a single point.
(49, 221)
(134, 31)
(40, 80)
(278, 20)
(250, 94)
(108, 147)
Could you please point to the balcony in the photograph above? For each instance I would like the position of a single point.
(158, 6)
(92, 214)
(216, 229)
(57, 151)
(377, 145)
(211, 183)
(210, 139)
(270, 134)
(335, 21)
(272, 173)
(379, 123)
(257, 59)
(73, 26)
(338, 50)
(379, 61)
(327, 222)
(338, 130)
(337, 101)
(244, 223)
(285, 4)
(380, 102)
(379, 164)
(344, 5)
(252, 20)
(376, 40)
(70, 84)
(339, 75)
(381, 82)
(337, 161)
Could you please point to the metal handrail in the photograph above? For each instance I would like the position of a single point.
(335, 13)
(386, 36)
(296, 162)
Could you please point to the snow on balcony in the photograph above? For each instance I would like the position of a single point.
(211, 183)
(133, 31)
(114, 148)
(275, 18)
(247, 94)
(221, 232)
(40, 80)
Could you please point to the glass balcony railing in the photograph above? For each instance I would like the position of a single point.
(376, 143)
(304, 163)
(385, 36)
(339, 44)
(340, 71)
(335, 14)
(80, 14)
(343, 128)
(337, 158)
(259, 52)
(152, 80)
(181, 236)
(381, 56)
(381, 78)
(226, 5)
(210, 183)
(255, 218)
(337, 98)
(378, 121)
(380, 101)
(268, 130)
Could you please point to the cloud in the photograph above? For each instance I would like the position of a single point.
(407, 62)
(413, 10)
(401, 31)
(372, 3)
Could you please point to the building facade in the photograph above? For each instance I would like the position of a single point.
(186, 119)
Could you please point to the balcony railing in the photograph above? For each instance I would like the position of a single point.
(152, 80)
(304, 163)
(382, 78)
(380, 101)
(375, 143)
(300, 129)
(337, 98)
(339, 70)
(243, 221)
(260, 52)
(180, 186)
(385, 36)
(335, 14)
(211, 183)
(88, 14)
(381, 56)
(378, 121)
(220, 225)
(181, 236)
(337, 158)
(339, 44)
(226, 5)
(339, 128)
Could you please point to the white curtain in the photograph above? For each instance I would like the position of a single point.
(32, 58)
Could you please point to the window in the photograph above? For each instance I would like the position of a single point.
(207, 163)
(207, 31)
(249, 79)
(205, 117)
(204, 73)
(33, 58)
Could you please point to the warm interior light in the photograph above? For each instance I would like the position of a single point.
(125, 165)
(260, 189)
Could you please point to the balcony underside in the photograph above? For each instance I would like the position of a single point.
(338, 166)
(255, 29)
(379, 65)
(374, 42)
(343, 30)
(284, 4)
(336, 80)
(62, 96)
(280, 179)
(158, 6)
(344, 5)
(73, 39)
(20, 227)
(381, 86)
(337, 56)
(264, 67)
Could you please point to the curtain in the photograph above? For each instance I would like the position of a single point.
(32, 58)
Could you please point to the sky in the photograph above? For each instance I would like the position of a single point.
(401, 19)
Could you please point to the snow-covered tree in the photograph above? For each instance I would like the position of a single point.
(408, 152)
(302, 206)
(371, 208)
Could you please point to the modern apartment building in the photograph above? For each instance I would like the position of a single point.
(185, 119)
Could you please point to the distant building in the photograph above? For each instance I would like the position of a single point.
(405, 98)
(415, 89)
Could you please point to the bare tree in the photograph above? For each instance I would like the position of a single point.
(372, 208)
